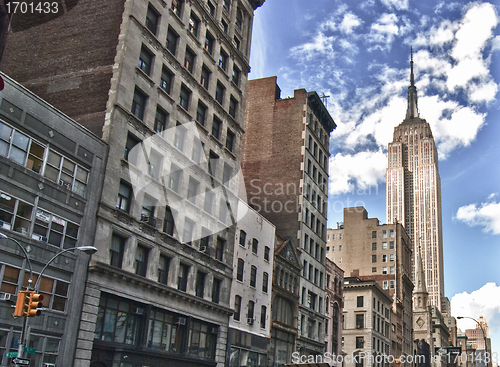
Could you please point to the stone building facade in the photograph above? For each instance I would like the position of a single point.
(285, 165)
(334, 305)
(137, 73)
(51, 176)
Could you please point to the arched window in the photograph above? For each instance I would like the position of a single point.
(327, 305)
(286, 281)
(239, 18)
(335, 285)
(276, 274)
(335, 328)
(281, 278)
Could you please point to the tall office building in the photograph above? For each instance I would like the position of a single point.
(414, 193)
(285, 165)
(131, 71)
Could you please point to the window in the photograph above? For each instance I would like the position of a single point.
(141, 260)
(392, 270)
(165, 331)
(265, 281)
(202, 339)
(167, 79)
(145, 60)
(251, 305)
(237, 308)
(239, 18)
(223, 60)
(200, 284)
(360, 342)
(177, 7)
(15, 214)
(227, 173)
(138, 104)
(384, 245)
(194, 24)
(163, 269)
(374, 270)
(187, 234)
(212, 162)
(209, 201)
(384, 270)
(385, 284)
(66, 173)
(192, 192)
(219, 93)
(204, 240)
(391, 257)
(116, 250)
(391, 284)
(267, 250)
(263, 311)
(359, 301)
(253, 276)
(131, 143)
(255, 245)
(184, 97)
(237, 42)
(239, 272)
(391, 245)
(197, 150)
(172, 39)
(152, 19)
(236, 75)
(226, 5)
(374, 234)
(209, 43)
(384, 258)
(225, 26)
(360, 321)
(374, 258)
(124, 196)
(216, 128)
(384, 233)
(189, 59)
(233, 107)
(182, 277)
(230, 140)
(168, 223)
(223, 210)
(216, 290)
(155, 163)
(219, 248)
(205, 77)
(161, 119)
(391, 233)
(374, 246)
(54, 230)
(243, 237)
(148, 209)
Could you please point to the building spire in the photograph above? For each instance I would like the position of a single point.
(412, 110)
(420, 275)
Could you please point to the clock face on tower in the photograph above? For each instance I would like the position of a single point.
(420, 322)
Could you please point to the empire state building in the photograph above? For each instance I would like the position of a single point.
(414, 193)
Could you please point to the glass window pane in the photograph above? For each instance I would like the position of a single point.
(81, 174)
(61, 288)
(68, 167)
(54, 159)
(59, 303)
(20, 140)
(5, 132)
(17, 155)
(51, 173)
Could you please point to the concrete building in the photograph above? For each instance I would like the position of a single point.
(133, 71)
(51, 172)
(285, 297)
(334, 305)
(367, 320)
(480, 341)
(364, 248)
(285, 165)
(253, 262)
(414, 193)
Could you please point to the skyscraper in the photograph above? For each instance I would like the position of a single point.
(414, 193)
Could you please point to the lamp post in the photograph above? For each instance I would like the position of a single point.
(484, 335)
(87, 249)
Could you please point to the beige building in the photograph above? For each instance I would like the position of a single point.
(334, 304)
(414, 193)
(479, 340)
(364, 248)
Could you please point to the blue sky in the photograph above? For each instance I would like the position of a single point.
(357, 52)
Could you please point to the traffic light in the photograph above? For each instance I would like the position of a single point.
(22, 304)
(33, 305)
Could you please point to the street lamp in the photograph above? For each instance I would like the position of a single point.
(484, 335)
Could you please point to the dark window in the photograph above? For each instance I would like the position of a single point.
(266, 253)
(233, 107)
(219, 93)
(161, 119)
(201, 113)
(141, 260)
(360, 321)
(374, 234)
(200, 284)
(172, 39)
(209, 201)
(192, 192)
(205, 77)
(116, 250)
(187, 234)
(183, 277)
(179, 136)
(212, 161)
(243, 237)
(237, 42)
(265, 281)
(216, 128)
(251, 305)
(169, 224)
(197, 150)
(236, 75)
(219, 249)
(227, 174)
(189, 59)
(124, 196)
(194, 24)
(263, 311)
(360, 342)
(148, 209)
(223, 59)
(131, 142)
(202, 340)
(253, 276)
(255, 245)
(211, 7)
(226, 5)
(239, 273)
(237, 308)
(239, 18)
(184, 97)
(139, 104)
(216, 290)
(174, 178)
(359, 301)
(155, 162)
(374, 246)
(163, 268)
(374, 258)
(166, 80)
(145, 60)
(177, 7)
(152, 19)
(225, 26)
(204, 240)
(166, 331)
(209, 43)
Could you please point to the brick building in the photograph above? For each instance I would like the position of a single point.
(334, 305)
(130, 71)
(285, 166)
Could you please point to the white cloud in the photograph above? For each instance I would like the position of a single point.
(495, 44)
(483, 92)
(396, 4)
(321, 44)
(486, 215)
(366, 168)
(384, 30)
(483, 302)
(349, 23)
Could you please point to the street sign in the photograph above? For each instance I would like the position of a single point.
(11, 354)
(29, 350)
(21, 361)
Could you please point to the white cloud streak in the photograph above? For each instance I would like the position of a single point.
(486, 215)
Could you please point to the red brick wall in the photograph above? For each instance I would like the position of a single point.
(68, 60)
(272, 153)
